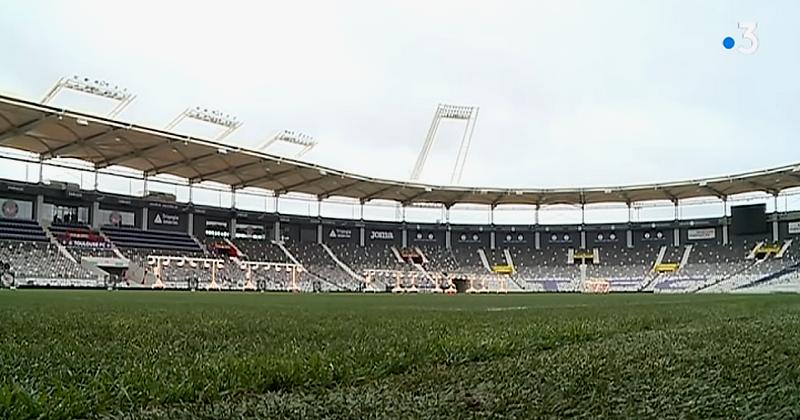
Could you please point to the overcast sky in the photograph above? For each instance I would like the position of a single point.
(571, 93)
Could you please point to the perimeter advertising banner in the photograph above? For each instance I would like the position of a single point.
(383, 236)
(794, 227)
(163, 220)
(340, 234)
(701, 234)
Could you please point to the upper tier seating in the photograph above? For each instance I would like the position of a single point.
(22, 230)
(127, 237)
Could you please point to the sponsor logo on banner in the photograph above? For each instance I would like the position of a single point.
(10, 209)
(794, 227)
(701, 234)
(382, 235)
(167, 219)
(340, 234)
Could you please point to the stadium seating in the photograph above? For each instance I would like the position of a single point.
(127, 237)
(82, 241)
(40, 263)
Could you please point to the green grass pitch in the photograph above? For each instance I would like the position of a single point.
(230, 355)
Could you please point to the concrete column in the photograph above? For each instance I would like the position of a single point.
(447, 239)
(725, 231)
(404, 236)
(319, 233)
(145, 218)
(38, 209)
(361, 234)
(629, 238)
(775, 229)
(191, 223)
(583, 239)
(94, 215)
(232, 228)
(775, 221)
(492, 240)
(276, 230)
(537, 240)
(676, 237)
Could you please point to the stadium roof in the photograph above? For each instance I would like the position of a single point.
(53, 132)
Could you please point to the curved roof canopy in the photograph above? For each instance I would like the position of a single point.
(53, 132)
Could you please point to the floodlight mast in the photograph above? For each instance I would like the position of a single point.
(92, 87)
(469, 114)
(303, 140)
(226, 121)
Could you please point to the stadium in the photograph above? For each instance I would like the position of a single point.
(160, 271)
(60, 235)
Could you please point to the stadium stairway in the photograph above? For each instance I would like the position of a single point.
(770, 277)
(342, 265)
(315, 276)
(719, 284)
(61, 248)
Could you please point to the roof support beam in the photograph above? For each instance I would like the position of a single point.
(411, 199)
(176, 165)
(719, 194)
(23, 128)
(290, 187)
(372, 195)
(763, 187)
(270, 177)
(116, 160)
(326, 194)
(232, 169)
(82, 142)
(672, 197)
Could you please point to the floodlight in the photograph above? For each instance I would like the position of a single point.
(228, 122)
(92, 87)
(469, 114)
(305, 141)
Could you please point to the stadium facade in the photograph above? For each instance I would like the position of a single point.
(58, 234)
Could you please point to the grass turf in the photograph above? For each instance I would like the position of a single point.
(173, 355)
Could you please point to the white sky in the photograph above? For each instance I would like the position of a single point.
(571, 93)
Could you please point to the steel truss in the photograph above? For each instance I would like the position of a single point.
(469, 114)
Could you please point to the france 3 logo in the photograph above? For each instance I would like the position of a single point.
(749, 42)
